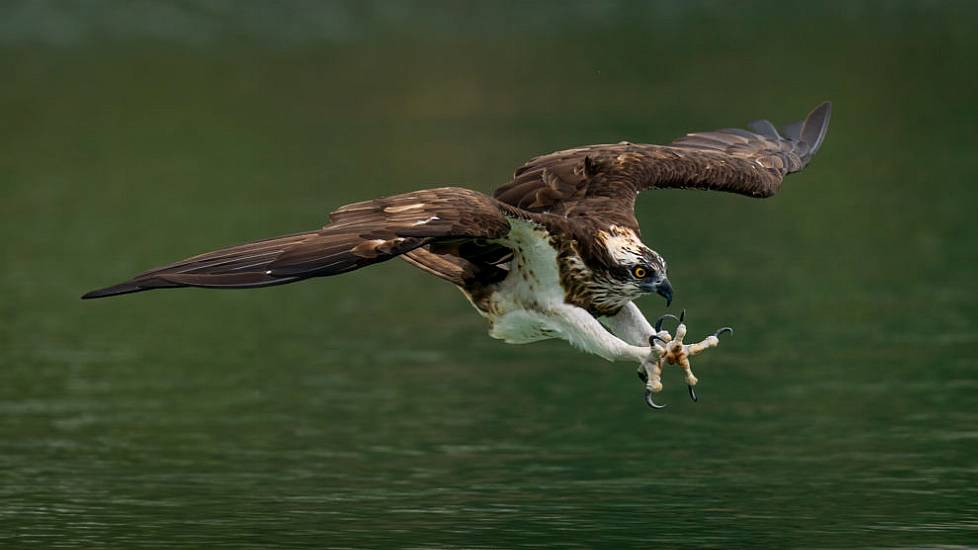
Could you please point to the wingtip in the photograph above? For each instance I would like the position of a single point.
(816, 126)
(823, 106)
(101, 293)
(114, 290)
(820, 115)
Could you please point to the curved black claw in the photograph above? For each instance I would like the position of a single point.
(658, 322)
(642, 376)
(655, 337)
(682, 316)
(692, 394)
(650, 402)
(724, 330)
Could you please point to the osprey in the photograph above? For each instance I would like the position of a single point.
(554, 253)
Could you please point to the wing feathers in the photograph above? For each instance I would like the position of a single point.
(816, 127)
(360, 234)
(749, 162)
(793, 131)
(463, 231)
(765, 128)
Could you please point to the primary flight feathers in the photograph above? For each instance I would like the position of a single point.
(607, 178)
(457, 233)
(358, 235)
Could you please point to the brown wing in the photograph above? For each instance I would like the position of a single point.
(358, 235)
(605, 179)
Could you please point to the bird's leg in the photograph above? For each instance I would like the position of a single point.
(631, 326)
(710, 341)
(664, 348)
(650, 371)
(675, 352)
(583, 330)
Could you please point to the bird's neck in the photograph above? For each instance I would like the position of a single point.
(587, 281)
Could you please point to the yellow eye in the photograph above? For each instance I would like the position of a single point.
(639, 272)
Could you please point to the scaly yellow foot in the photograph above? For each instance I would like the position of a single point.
(670, 349)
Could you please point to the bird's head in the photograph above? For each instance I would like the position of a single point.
(635, 267)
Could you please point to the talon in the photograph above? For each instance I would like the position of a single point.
(692, 394)
(724, 330)
(650, 402)
(642, 376)
(658, 322)
(682, 316)
(655, 337)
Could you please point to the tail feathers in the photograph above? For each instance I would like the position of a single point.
(447, 267)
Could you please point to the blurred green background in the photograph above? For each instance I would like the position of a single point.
(371, 410)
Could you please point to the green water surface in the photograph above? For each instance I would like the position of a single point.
(372, 410)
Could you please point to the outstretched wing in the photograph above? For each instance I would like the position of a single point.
(358, 235)
(605, 179)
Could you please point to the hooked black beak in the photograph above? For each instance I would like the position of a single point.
(664, 289)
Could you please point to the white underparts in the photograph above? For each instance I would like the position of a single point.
(529, 304)
(521, 327)
(518, 306)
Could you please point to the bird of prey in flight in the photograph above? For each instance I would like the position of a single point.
(553, 253)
